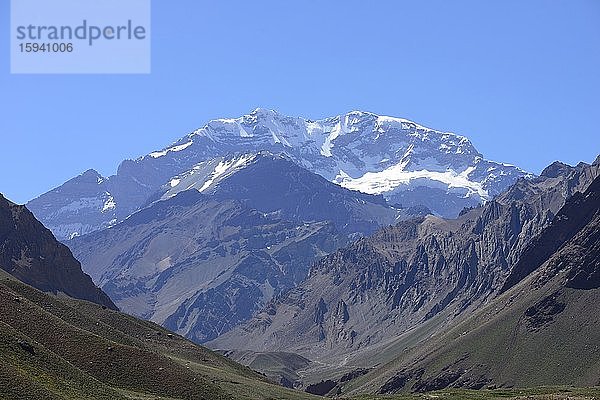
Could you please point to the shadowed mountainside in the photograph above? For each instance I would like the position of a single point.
(30, 252)
(199, 265)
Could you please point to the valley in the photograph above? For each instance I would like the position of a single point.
(301, 200)
(243, 237)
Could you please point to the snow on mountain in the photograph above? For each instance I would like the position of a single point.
(394, 176)
(206, 174)
(180, 147)
(407, 163)
(81, 205)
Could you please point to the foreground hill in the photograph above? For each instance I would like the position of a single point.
(544, 330)
(60, 348)
(30, 252)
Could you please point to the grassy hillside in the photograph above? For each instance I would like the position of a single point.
(505, 345)
(60, 348)
(539, 393)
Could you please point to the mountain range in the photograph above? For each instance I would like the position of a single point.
(232, 162)
(543, 329)
(201, 262)
(407, 163)
(357, 254)
(417, 278)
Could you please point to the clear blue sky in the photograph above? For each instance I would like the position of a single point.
(520, 78)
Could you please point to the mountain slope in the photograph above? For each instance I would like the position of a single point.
(243, 230)
(30, 252)
(544, 330)
(418, 276)
(60, 348)
(273, 183)
(81, 205)
(407, 163)
(569, 222)
(200, 265)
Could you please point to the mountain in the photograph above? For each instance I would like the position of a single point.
(61, 348)
(405, 162)
(199, 265)
(543, 330)
(273, 183)
(572, 218)
(81, 205)
(30, 252)
(415, 279)
(221, 240)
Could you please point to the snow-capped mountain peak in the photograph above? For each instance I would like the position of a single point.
(362, 150)
(406, 162)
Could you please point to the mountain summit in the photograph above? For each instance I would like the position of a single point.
(405, 162)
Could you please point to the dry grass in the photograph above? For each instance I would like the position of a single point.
(82, 351)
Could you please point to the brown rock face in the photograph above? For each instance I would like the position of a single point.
(29, 252)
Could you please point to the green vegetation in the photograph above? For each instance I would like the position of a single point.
(505, 344)
(80, 350)
(539, 393)
(54, 347)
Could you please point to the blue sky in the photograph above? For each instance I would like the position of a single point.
(520, 78)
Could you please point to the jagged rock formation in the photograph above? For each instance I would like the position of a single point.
(404, 276)
(544, 330)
